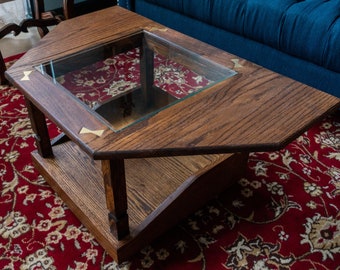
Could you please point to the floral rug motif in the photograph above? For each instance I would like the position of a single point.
(94, 84)
(283, 214)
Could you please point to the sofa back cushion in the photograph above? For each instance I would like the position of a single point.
(308, 29)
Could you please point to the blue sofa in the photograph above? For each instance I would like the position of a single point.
(297, 38)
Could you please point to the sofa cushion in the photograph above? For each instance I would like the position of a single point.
(308, 29)
(311, 30)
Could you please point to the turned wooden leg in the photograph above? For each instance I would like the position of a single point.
(39, 126)
(116, 198)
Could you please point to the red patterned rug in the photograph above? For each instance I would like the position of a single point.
(283, 215)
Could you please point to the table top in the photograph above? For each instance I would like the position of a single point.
(129, 80)
(254, 110)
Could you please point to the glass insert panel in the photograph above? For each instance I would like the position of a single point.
(130, 79)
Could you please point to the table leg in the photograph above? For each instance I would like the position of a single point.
(116, 197)
(3, 68)
(39, 126)
(147, 71)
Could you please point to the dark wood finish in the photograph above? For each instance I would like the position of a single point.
(159, 163)
(42, 24)
(116, 200)
(3, 68)
(153, 206)
(39, 126)
(39, 11)
(146, 71)
(4, 31)
(39, 8)
(69, 9)
(254, 95)
(15, 29)
(10, 28)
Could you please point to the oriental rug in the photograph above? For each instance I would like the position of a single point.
(284, 214)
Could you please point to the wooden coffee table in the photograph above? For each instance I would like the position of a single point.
(128, 185)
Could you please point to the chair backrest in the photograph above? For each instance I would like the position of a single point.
(70, 9)
(15, 29)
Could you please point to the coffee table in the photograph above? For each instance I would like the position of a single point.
(129, 181)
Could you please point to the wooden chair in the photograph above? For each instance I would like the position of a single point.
(15, 29)
(43, 19)
(70, 9)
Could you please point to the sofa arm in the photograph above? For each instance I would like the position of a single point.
(128, 4)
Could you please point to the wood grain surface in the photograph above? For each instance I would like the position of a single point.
(256, 110)
(158, 191)
(128, 187)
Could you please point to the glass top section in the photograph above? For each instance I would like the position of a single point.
(133, 78)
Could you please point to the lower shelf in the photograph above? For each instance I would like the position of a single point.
(158, 191)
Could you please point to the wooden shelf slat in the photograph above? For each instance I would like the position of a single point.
(150, 182)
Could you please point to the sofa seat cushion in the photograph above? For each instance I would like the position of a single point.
(308, 29)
